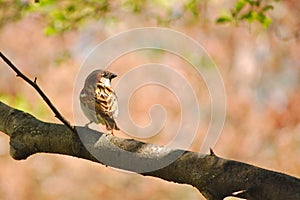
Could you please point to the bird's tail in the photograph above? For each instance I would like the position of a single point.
(111, 124)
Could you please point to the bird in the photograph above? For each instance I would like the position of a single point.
(98, 99)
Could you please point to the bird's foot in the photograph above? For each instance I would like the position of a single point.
(87, 125)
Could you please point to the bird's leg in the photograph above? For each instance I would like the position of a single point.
(109, 128)
(87, 125)
(112, 132)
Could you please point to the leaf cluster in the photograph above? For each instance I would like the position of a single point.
(250, 11)
(66, 15)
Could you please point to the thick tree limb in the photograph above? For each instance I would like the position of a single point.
(213, 176)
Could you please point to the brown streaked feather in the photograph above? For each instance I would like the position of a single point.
(105, 98)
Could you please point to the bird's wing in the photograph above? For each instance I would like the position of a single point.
(87, 103)
(87, 97)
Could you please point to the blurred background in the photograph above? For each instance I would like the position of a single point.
(255, 45)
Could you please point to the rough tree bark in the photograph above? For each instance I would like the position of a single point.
(215, 177)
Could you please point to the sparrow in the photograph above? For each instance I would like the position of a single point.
(98, 100)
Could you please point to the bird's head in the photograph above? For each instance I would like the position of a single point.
(100, 75)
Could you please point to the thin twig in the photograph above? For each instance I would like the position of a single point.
(38, 89)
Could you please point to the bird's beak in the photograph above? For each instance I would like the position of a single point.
(112, 75)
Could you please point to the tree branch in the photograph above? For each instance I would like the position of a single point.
(215, 177)
(39, 90)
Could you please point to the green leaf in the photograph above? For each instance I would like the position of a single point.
(239, 5)
(49, 30)
(250, 16)
(267, 7)
(254, 2)
(223, 19)
(267, 22)
(193, 6)
(263, 19)
(58, 15)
